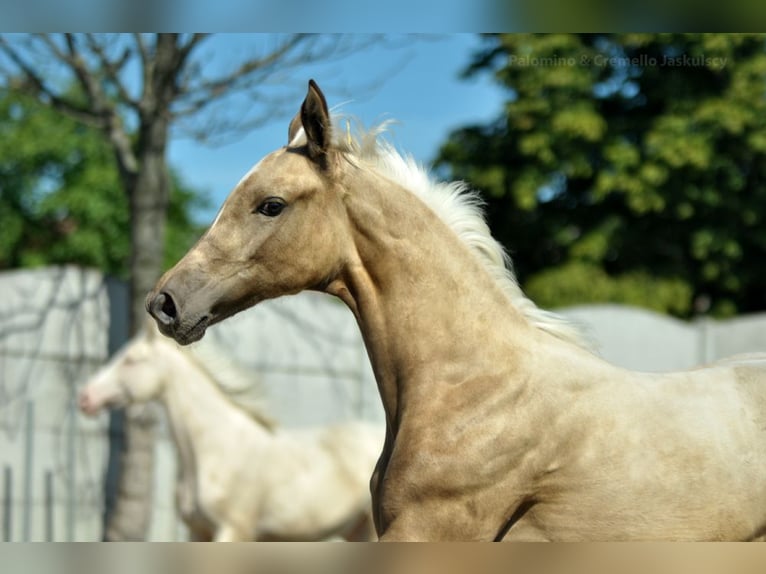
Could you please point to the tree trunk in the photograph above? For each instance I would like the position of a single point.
(147, 181)
(129, 517)
(148, 208)
(149, 190)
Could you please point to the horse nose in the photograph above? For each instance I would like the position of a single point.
(82, 400)
(163, 309)
(85, 403)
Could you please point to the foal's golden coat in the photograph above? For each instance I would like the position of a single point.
(500, 424)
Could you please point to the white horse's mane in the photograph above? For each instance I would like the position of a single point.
(240, 386)
(460, 207)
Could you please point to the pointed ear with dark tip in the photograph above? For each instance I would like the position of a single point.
(315, 118)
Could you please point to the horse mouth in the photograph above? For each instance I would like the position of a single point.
(163, 308)
(193, 334)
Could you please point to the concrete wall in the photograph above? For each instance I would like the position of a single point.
(58, 324)
(53, 333)
(309, 354)
(647, 341)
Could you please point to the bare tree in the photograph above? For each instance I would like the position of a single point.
(134, 88)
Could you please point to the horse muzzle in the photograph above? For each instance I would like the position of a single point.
(163, 308)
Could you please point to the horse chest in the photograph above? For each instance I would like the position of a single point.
(440, 498)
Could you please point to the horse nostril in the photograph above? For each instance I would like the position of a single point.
(163, 308)
(169, 307)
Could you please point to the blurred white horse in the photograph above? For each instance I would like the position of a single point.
(240, 478)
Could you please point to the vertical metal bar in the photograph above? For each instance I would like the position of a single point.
(26, 519)
(48, 506)
(7, 502)
(71, 491)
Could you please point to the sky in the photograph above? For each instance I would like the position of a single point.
(417, 84)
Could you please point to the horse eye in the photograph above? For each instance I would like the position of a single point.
(271, 207)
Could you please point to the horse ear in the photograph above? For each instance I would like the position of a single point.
(315, 118)
(295, 125)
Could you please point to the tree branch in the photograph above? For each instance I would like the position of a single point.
(92, 88)
(33, 84)
(194, 41)
(142, 51)
(252, 75)
(228, 82)
(112, 68)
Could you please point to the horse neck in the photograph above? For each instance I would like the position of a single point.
(198, 410)
(423, 301)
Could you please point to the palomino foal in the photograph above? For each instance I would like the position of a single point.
(500, 424)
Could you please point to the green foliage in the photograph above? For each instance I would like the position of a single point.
(626, 167)
(578, 283)
(60, 196)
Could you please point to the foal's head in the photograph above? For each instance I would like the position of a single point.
(280, 231)
(137, 374)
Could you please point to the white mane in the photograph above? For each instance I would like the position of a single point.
(241, 387)
(461, 208)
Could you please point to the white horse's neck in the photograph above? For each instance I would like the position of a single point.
(200, 414)
(423, 301)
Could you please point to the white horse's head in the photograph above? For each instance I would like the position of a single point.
(134, 376)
